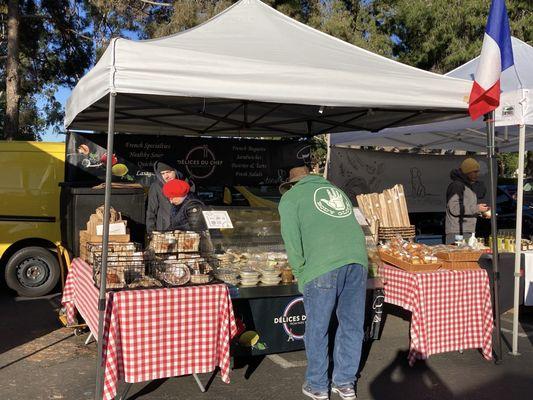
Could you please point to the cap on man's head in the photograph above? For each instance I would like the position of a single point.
(176, 188)
(295, 175)
(469, 165)
(163, 166)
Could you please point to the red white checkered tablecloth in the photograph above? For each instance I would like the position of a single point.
(451, 310)
(155, 333)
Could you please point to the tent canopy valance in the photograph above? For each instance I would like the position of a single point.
(254, 71)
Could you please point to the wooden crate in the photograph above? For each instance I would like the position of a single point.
(86, 237)
(406, 266)
(466, 255)
(460, 265)
(388, 233)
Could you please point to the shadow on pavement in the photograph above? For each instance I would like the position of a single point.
(420, 382)
(153, 385)
(526, 320)
(251, 363)
(26, 319)
(400, 380)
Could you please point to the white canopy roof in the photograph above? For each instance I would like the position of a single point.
(465, 134)
(253, 70)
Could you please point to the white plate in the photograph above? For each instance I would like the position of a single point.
(269, 276)
(245, 283)
(271, 282)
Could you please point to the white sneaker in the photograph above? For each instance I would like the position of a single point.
(314, 394)
(345, 393)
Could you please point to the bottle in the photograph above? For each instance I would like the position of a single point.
(459, 240)
(472, 241)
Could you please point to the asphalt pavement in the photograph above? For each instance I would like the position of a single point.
(39, 359)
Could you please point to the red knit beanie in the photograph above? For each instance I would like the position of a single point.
(176, 188)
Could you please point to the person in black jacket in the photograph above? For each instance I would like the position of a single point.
(186, 209)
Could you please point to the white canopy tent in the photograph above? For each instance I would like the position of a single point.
(250, 71)
(514, 128)
(463, 133)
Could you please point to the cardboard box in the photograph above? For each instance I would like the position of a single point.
(86, 237)
(117, 228)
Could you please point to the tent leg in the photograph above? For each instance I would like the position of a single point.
(105, 241)
(199, 383)
(490, 117)
(518, 248)
(89, 338)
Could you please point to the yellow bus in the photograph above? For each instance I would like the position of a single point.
(30, 173)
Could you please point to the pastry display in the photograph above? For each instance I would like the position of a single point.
(145, 282)
(413, 253)
(174, 273)
(227, 276)
(174, 242)
(201, 278)
(286, 275)
(115, 278)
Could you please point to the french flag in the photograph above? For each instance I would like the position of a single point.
(496, 56)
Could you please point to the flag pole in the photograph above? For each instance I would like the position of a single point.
(518, 237)
(490, 118)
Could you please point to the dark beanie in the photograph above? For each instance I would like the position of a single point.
(162, 166)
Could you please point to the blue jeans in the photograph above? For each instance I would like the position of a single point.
(343, 291)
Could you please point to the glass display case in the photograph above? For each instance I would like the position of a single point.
(255, 231)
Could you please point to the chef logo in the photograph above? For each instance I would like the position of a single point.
(200, 162)
(331, 201)
(293, 319)
(304, 153)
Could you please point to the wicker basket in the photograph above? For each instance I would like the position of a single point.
(406, 266)
(460, 255)
(460, 265)
(388, 233)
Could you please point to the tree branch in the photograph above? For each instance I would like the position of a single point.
(155, 3)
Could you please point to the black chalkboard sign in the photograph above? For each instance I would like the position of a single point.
(206, 161)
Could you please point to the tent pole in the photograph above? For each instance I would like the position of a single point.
(494, 231)
(98, 394)
(518, 235)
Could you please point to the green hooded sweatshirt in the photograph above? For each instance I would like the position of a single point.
(319, 229)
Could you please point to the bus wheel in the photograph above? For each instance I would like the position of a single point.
(32, 271)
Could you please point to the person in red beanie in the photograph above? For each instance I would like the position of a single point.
(186, 208)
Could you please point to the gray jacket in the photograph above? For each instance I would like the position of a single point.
(159, 208)
(461, 206)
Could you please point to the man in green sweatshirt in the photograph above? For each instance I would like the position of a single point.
(326, 249)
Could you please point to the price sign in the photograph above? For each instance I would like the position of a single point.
(217, 219)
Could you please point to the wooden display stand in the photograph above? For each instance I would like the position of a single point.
(387, 213)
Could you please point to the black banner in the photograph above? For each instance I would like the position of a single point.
(269, 325)
(206, 161)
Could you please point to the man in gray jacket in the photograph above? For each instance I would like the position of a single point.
(158, 211)
(462, 207)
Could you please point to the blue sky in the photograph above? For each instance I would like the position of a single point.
(62, 95)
